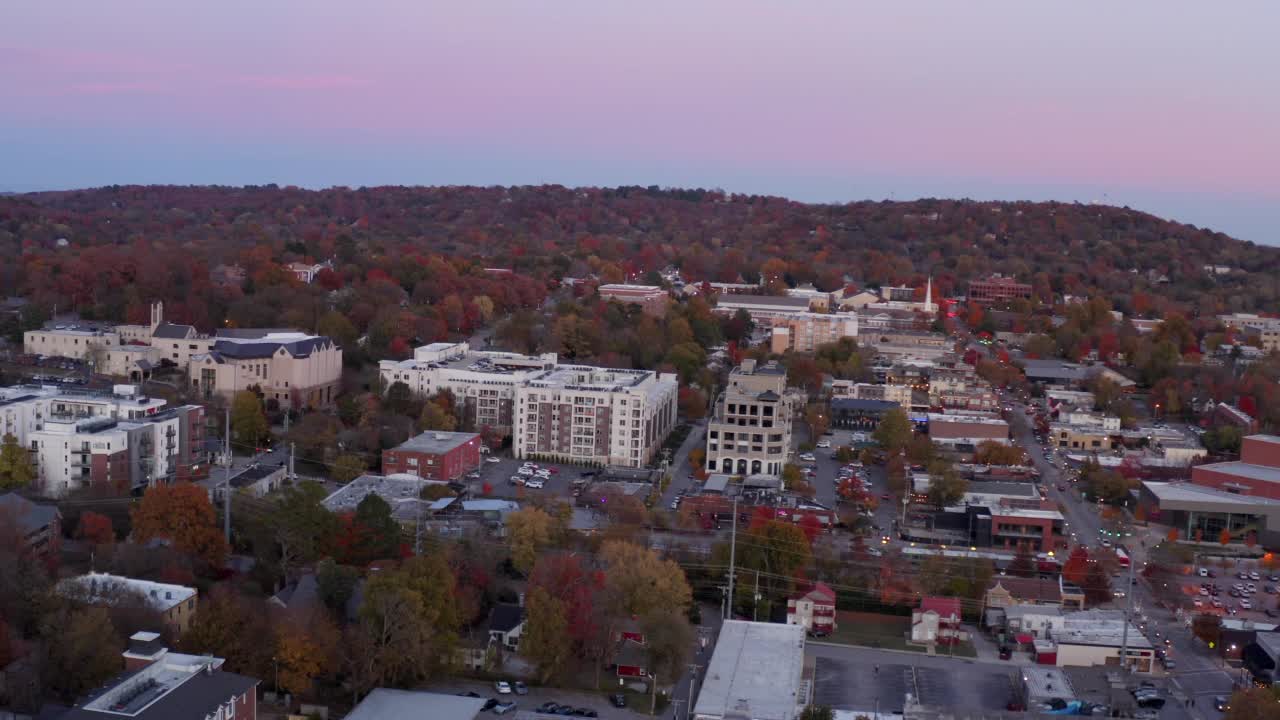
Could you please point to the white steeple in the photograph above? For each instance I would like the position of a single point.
(928, 296)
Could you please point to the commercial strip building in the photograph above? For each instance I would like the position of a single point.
(763, 309)
(1256, 474)
(1199, 510)
(483, 383)
(750, 429)
(402, 491)
(967, 430)
(594, 416)
(434, 455)
(755, 672)
(651, 299)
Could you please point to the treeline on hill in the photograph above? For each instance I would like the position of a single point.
(426, 247)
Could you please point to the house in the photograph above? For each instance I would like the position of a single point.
(1230, 415)
(937, 620)
(1007, 591)
(814, 609)
(302, 594)
(506, 625)
(161, 685)
(631, 660)
(39, 526)
(176, 604)
(259, 480)
(388, 704)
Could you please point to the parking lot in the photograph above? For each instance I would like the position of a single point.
(1252, 597)
(864, 679)
(498, 476)
(597, 702)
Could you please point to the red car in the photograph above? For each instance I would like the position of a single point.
(886, 496)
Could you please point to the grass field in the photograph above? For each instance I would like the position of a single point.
(884, 631)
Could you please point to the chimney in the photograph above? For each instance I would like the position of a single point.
(144, 649)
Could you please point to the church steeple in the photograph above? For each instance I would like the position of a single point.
(928, 295)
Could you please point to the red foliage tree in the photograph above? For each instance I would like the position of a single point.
(96, 528)
(811, 526)
(1077, 565)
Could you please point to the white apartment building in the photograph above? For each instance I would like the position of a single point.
(750, 431)
(77, 340)
(1087, 419)
(483, 382)
(594, 416)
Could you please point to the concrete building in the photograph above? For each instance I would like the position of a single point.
(859, 414)
(71, 339)
(1094, 637)
(594, 416)
(1204, 511)
(161, 685)
(960, 430)
(176, 604)
(755, 672)
(483, 383)
(1083, 437)
(763, 309)
(651, 299)
(814, 610)
(998, 289)
(806, 332)
(402, 491)
(900, 394)
(818, 300)
(390, 704)
(750, 429)
(1257, 473)
(434, 455)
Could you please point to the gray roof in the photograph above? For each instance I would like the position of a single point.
(254, 473)
(1054, 370)
(195, 698)
(173, 331)
(755, 670)
(505, 617)
(303, 594)
(844, 403)
(267, 348)
(29, 516)
(435, 442)
(780, 301)
(1245, 470)
(388, 704)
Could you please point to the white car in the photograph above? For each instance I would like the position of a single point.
(517, 480)
(535, 483)
(823, 444)
(492, 459)
(1204, 572)
(543, 473)
(503, 687)
(1254, 576)
(530, 464)
(808, 457)
(525, 471)
(1245, 604)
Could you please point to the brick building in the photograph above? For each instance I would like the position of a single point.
(434, 455)
(998, 289)
(651, 298)
(1257, 472)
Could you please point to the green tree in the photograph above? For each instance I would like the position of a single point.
(435, 417)
(399, 399)
(304, 528)
(248, 423)
(894, 431)
(335, 583)
(335, 325)
(373, 516)
(83, 651)
(347, 468)
(546, 641)
(946, 487)
(668, 640)
(16, 468)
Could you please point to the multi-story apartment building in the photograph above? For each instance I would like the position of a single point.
(805, 332)
(998, 289)
(750, 432)
(652, 299)
(78, 340)
(763, 309)
(483, 383)
(594, 416)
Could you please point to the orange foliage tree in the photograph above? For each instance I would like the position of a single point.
(182, 515)
(96, 528)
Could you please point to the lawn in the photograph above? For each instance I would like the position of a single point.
(884, 631)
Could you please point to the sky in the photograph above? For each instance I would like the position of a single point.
(1171, 107)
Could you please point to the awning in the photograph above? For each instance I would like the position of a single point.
(1024, 639)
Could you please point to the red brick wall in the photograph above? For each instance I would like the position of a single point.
(1260, 452)
(451, 465)
(1205, 475)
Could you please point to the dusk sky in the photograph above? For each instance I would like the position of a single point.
(1172, 107)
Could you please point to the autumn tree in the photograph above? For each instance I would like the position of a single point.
(546, 641)
(1253, 703)
(248, 422)
(1023, 565)
(920, 450)
(637, 580)
(86, 652)
(1077, 565)
(370, 533)
(1224, 537)
(990, 452)
(816, 712)
(668, 643)
(347, 468)
(335, 584)
(16, 468)
(303, 527)
(183, 516)
(95, 528)
(305, 645)
(894, 431)
(436, 417)
(410, 618)
(946, 486)
(1096, 586)
(529, 530)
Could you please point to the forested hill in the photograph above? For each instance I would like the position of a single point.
(161, 241)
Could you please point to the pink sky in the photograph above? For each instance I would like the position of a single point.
(1168, 106)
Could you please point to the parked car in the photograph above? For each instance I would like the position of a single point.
(535, 484)
(488, 704)
(618, 700)
(1220, 703)
(1204, 572)
(1006, 652)
(492, 459)
(502, 687)
(520, 687)
(823, 444)
(517, 480)
(503, 708)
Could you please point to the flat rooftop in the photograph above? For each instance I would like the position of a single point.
(107, 589)
(435, 442)
(587, 377)
(400, 490)
(389, 704)
(754, 671)
(1007, 489)
(1244, 470)
(1044, 683)
(1099, 627)
(798, 303)
(972, 419)
(1186, 492)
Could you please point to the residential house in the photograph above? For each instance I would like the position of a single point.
(1007, 591)
(814, 609)
(937, 620)
(176, 604)
(506, 625)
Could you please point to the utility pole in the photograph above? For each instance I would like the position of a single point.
(292, 475)
(1128, 607)
(226, 476)
(693, 677)
(733, 546)
(755, 603)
